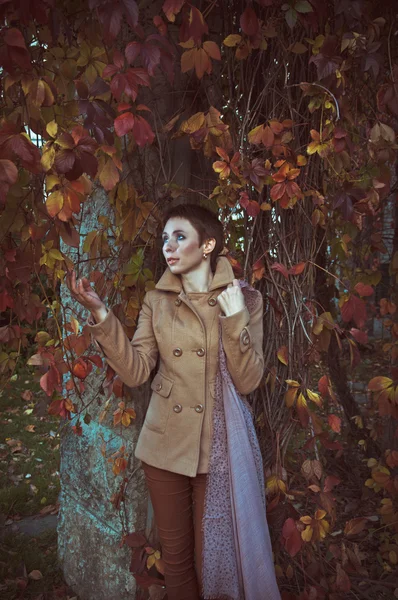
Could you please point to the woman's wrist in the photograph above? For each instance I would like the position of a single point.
(99, 314)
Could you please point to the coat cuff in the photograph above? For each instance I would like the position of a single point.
(233, 326)
(101, 331)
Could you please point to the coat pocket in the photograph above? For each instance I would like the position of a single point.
(159, 406)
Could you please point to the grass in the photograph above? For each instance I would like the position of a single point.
(19, 556)
(29, 484)
(29, 449)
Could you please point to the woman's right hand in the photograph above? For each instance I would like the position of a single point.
(82, 291)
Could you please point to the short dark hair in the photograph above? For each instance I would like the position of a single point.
(204, 221)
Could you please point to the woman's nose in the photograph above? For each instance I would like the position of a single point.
(169, 247)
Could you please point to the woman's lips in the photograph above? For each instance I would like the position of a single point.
(172, 261)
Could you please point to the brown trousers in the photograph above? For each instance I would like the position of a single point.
(178, 503)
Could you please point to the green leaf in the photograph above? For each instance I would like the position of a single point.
(291, 17)
(303, 6)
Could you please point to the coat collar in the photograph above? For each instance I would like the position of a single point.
(222, 277)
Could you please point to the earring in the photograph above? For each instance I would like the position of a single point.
(204, 256)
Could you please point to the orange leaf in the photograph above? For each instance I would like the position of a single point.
(212, 50)
(202, 62)
(379, 383)
(335, 423)
(268, 137)
(290, 396)
(297, 269)
(188, 60)
(355, 526)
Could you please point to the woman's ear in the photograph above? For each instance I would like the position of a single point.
(209, 245)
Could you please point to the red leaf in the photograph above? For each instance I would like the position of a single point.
(253, 208)
(291, 534)
(364, 290)
(249, 21)
(360, 336)
(131, 52)
(335, 423)
(171, 8)
(343, 582)
(13, 37)
(96, 360)
(142, 132)
(330, 482)
(278, 190)
(124, 123)
(131, 12)
(281, 268)
(354, 308)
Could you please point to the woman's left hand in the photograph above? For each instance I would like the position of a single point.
(231, 300)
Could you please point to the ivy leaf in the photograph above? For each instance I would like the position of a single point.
(291, 17)
(303, 6)
(249, 21)
(171, 8)
(334, 423)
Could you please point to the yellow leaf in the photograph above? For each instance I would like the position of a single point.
(52, 128)
(314, 397)
(232, 40)
(290, 396)
(283, 355)
(51, 182)
(298, 48)
(301, 160)
(320, 514)
(54, 203)
(150, 561)
(256, 135)
(194, 123)
(292, 382)
(47, 158)
(307, 534)
(74, 324)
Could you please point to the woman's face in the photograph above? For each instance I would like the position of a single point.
(181, 247)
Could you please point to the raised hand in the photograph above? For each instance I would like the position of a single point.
(82, 291)
(231, 300)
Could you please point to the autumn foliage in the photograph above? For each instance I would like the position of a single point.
(288, 116)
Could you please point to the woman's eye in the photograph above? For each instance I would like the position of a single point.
(164, 240)
(181, 237)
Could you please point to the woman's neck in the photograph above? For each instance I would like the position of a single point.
(198, 280)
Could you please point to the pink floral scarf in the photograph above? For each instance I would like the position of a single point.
(237, 553)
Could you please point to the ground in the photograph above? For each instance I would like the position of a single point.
(29, 487)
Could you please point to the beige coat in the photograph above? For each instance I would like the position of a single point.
(176, 434)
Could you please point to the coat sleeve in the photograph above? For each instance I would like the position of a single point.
(133, 361)
(242, 336)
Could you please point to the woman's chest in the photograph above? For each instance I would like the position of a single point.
(187, 323)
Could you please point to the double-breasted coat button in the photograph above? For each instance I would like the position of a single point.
(199, 408)
(158, 387)
(178, 301)
(177, 351)
(200, 352)
(212, 301)
(177, 408)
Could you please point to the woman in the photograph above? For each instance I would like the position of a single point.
(178, 328)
